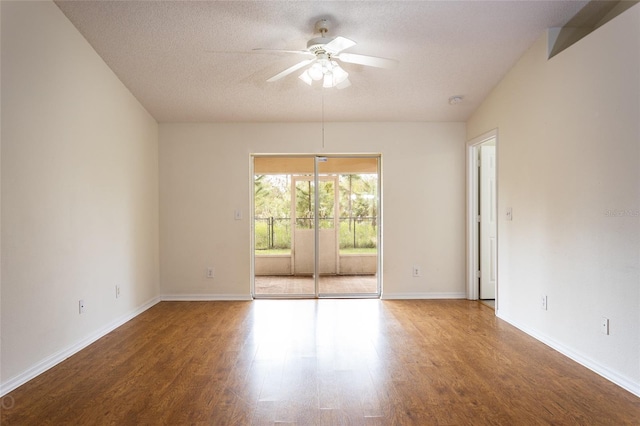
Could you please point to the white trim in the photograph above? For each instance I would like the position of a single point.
(316, 215)
(623, 381)
(252, 225)
(58, 357)
(471, 216)
(203, 297)
(425, 296)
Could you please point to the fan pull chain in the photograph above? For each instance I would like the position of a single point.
(322, 95)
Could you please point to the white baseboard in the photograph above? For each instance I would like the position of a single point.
(63, 354)
(399, 296)
(203, 297)
(614, 377)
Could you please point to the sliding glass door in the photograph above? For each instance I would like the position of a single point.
(316, 243)
(349, 241)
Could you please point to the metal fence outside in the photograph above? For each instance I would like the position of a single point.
(272, 233)
(355, 232)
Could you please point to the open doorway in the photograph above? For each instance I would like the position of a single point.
(482, 241)
(316, 226)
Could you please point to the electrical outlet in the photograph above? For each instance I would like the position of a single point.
(604, 325)
(417, 271)
(81, 306)
(210, 272)
(543, 300)
(117, 291)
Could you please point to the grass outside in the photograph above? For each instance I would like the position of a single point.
(358, 250)
(275, 252)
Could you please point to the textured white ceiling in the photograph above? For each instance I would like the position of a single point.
(192, 61)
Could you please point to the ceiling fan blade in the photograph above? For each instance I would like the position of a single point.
(372, 61)
(339, 44)
(299, 52)
(291, 69)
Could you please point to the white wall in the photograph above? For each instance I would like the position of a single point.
(205, 175)
(79, 193)
(568, 153)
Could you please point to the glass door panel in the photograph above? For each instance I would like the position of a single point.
(283, 227)
(350, 238)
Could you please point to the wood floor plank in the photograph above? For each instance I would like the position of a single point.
(319, 362)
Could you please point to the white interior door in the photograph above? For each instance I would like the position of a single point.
(488, 228)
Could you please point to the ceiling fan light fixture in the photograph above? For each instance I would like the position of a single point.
(328, 80)
(331, 74)
(339, 75)
(316, 72)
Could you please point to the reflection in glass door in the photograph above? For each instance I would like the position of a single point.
(310, 243)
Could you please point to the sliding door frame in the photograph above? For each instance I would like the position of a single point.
(316, 275)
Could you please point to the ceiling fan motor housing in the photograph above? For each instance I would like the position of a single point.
(316, 45)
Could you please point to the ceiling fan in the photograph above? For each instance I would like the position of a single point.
(324, 53)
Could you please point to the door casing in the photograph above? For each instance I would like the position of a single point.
(472, 231)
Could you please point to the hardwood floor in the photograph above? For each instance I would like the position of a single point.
(319, 362)
(490, 303)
